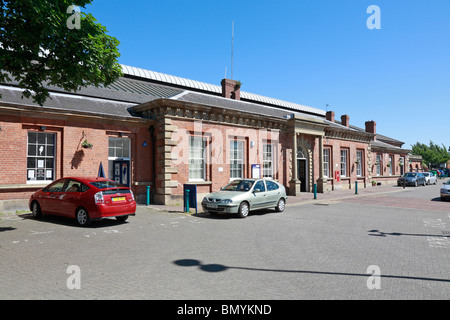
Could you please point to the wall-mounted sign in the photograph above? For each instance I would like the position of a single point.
(256, 171)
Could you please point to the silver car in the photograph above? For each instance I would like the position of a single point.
(445, 191)
(244, 195)
(430, 178)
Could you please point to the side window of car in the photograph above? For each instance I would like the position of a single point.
(271, 186)
(76, 186)
(260, 185)
(56, 187)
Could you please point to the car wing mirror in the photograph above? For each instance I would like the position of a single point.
(256, 190)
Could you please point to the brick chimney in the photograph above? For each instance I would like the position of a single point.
(345, 120)
(330, 116)
(231, 89)
(371, 127)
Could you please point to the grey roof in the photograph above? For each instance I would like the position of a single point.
(69, 102)
(215, 89)
(248, 107)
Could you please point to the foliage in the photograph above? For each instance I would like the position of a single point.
(38, 49)
(433, 153)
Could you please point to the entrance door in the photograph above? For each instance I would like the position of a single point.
(301, 168)
(122, 172)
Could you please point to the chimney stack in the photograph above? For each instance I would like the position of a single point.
(330, 116)
(231, 89)
(345, 120)
(371, 127)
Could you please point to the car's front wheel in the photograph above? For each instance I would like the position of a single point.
(281, 205)
(36, 209)
(82, 217)
(243, 210)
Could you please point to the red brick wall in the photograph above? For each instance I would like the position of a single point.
(70, 158)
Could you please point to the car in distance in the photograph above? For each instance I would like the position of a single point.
(445, 190)
(85, 199)
(244, 195)
(412, 178)
(430, 178)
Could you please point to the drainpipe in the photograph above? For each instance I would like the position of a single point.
(153, 138)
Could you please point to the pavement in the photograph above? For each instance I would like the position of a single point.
(308, 197)
(329, 248)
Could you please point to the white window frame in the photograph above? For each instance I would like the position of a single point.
(236, 162)
(45, 157)
(268, 172)
(379, 166)
(194, 159)
(326, 162)
(344, 162)
(115, 157)
(359, 164)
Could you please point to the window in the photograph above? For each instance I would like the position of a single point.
(344, 154)
(119, 149)
(268, 160)
(197, 161)
(271, 186)
(359, 163)
(41, 156)
(57, 186)
(326, 162)
(378, 164)
(75, 186)
(236, 159)
(260, 185)
(391, 164)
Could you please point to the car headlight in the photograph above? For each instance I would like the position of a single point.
(226, 201)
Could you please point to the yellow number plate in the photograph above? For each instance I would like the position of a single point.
(118, 199)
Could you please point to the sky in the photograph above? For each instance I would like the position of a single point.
(311, 52)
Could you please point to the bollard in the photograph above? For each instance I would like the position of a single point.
(315, 190)
(356, 187)
(187, 201)
(148, 195)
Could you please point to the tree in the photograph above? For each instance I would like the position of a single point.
(50, 42)
(433, 153)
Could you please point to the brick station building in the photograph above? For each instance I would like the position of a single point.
(157, 130)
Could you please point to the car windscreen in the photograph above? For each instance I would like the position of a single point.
(107, 184)
(448, 182)
(410, 175)
(239, 185)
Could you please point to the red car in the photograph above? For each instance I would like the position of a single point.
(84, 199)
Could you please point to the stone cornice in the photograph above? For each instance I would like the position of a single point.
(343, 134)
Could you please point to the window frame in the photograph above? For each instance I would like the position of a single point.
(44, 158)
(344, 164)
(326, 162)
(202, 160)
(239, 162)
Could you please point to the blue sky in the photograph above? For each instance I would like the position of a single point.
(312, 52)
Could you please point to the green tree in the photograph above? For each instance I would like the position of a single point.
(50, 42)
(432, 153)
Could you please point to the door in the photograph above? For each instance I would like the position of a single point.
(122, 172)
(71, 198)
(273, 193)
(51, 199)
(301, 167)
(259, 199)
